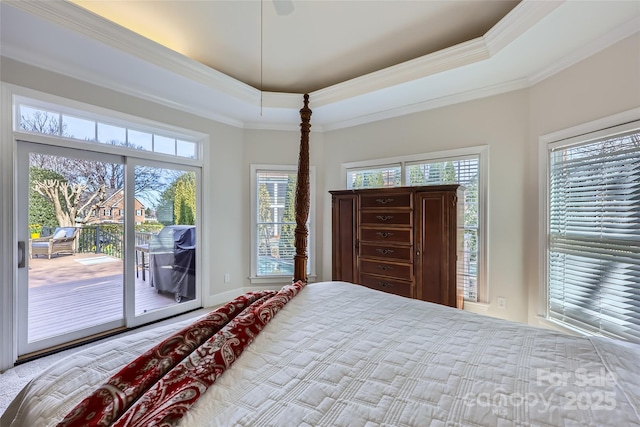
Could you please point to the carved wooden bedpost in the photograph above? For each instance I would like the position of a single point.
(302, 196)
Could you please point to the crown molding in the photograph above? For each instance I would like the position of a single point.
(618, 34)
(447, 59)
(107, 83)
(74, 17)
(282, 100)
(432, 104)
(520, 19)
(524, 16)
(315, 128)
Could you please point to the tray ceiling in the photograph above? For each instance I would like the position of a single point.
(241, 63)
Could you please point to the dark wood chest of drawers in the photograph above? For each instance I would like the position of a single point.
(402, 240)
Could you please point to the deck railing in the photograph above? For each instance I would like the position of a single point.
(101, 239)
(107, 239)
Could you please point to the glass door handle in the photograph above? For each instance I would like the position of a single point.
(21, 255)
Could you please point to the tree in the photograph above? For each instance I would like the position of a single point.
(43, 122)
(264, 217)
(184, 204)
(178, 201)
(471, 217)
(358, 181)
(73, 184)
(441, 173)
(286, 245)
(67, 199)
(81, 182)
(41, 210)
(185, 213)
(375, 180)
(448, 174)
(416, 175)
(148, 180)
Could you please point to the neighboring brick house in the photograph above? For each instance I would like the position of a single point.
(112, 210)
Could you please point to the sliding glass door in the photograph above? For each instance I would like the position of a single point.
(163, 243)
(72, 285)
(109, 243)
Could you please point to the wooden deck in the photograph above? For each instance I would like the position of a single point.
(69, 292)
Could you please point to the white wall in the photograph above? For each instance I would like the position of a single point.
(603, 85)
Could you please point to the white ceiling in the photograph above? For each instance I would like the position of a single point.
(359, 60)
(318, 44)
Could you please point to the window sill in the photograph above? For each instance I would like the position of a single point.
(276, 280)
(476, 307)
(561, 327)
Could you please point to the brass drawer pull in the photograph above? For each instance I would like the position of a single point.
(384, 217)
(386, 284)
(384, 201)
(384, 267)
(384, 234)
(385, 251)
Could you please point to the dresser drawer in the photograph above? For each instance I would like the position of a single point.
(386, 200)
(392, 286)
(385, 235)
(388, 269)
(386, 218)
(401, 253)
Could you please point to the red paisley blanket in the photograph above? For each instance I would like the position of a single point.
(159, 386)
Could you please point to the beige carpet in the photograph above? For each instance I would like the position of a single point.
(12, 380)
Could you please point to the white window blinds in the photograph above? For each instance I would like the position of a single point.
(376, 177)
(276, 223)
(594, 236)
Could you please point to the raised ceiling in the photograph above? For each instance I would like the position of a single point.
(317, 45)
(360, 61)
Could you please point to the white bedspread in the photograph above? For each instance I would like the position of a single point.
(343, 355)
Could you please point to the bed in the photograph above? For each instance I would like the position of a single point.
(339, 354)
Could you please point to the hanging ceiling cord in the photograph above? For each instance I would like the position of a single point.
(261, 51)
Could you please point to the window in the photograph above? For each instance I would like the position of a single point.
(377, 177)
(107, 212)
(463, 172)
(273, 202)
(593, 220)
(464, 167)
(40, 117)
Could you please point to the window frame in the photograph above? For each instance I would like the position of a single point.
(254, 278)
(580, 134)
(482, 152)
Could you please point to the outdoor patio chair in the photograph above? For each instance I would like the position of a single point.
(61, 241)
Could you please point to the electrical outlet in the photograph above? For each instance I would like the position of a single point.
(502, 303)
(227, 277)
